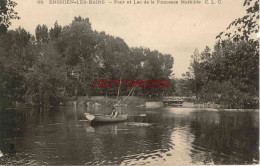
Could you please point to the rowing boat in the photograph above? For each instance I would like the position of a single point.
(105, 118)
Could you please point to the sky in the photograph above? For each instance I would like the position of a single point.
(171, 29)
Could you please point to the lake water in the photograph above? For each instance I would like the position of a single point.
(164, 136)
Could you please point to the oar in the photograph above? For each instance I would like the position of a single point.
(92, 114)
(90, 117)
(142, 115)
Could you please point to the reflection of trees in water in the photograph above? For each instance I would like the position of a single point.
(31, 134)
(97, 150)
(122, 142)
(10, 130)
(145, 143)
(229, 137)
(182, 140)
(179, 138)
(197, 137)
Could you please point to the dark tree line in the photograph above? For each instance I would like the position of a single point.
(229, 74)
(62, 62)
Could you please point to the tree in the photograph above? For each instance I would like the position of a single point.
(246, 27)
(64, 61)
(7, 13)
(11, 90)
(46, 77)
(77, 44)
(228, 75)
(195, 78)
(42, 34)
(55, 32)
(15, 59)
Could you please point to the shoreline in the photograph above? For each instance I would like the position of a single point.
(130, 101)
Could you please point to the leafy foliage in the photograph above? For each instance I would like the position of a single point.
(7, 13)
(247, 26)
(64, 61)
(229, 74)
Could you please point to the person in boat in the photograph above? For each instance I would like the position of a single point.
(119, 103)
(114, 113)
(96, 104)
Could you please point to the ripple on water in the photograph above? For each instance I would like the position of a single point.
(164, 136)
(19, 158)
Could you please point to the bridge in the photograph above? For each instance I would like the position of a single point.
(172, 101)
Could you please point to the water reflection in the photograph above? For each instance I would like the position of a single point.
(163, 136)
(231, 138)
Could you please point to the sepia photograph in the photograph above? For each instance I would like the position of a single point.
(129, 82)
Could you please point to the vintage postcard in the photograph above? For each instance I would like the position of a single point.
(129, 82)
